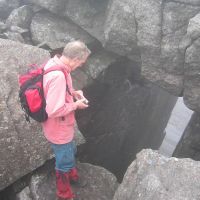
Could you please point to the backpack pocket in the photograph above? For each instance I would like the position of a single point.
(34, 98)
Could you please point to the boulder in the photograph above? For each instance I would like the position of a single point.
(101, 184)
(192, 65)
(23, 146)
(176, 17)
(152, 176)
(120, 29)
(88, 14)
(56, 32)
(21, 17)
(14, 36)
(189, 144)
(55, 6)
(96, 64)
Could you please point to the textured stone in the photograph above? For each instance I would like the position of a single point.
(55, 6)
(192, 65)
(96, 64)
(101, 184)
(24, 194)
(89, 14)
(14, 36)
(56, 32)
(20, 17)
(120, 29)
(23, 146)
(152, 176)
(189, 144)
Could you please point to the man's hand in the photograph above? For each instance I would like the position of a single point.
(80, 104)
(78, 95)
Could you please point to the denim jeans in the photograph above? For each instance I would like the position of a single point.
(64, 155)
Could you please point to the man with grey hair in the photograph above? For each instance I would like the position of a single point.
(60, 107)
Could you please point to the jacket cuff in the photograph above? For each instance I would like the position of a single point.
(74, 106)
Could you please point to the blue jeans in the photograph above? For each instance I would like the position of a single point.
(64, 155)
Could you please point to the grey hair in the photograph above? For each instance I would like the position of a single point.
(76, 50)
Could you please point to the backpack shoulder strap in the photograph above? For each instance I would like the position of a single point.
(57, 68)
(54, 68)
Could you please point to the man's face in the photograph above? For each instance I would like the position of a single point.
(79, 63)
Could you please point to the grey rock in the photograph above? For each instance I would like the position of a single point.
(193, 27)
(96, 64)
(89, 14)
(101, 184)
(191, 76)
(55, 6)
(188, 146)
(6, 6)
(152, 176)
(3, 36)
(120, 29)
(24, 194)
(79, 138)
(3, 27)
(56, 32)
(175, 21)
(23, 147)
(189, 2)
(14, 36)
(21, 17)
(19, 30)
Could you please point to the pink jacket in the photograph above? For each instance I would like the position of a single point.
(60, 107)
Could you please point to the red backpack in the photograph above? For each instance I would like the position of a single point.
(31, 92)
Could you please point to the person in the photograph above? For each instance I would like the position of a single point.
(61, 102)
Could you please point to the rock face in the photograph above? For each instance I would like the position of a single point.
(152, 176)
(88, 14)
(101, 185)
(55, 6)
(20, 17)
(192, 65)
(95, 66)
(189, 144)
(119, 37)
(56, 32)
(23, 146)
(159, 34)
